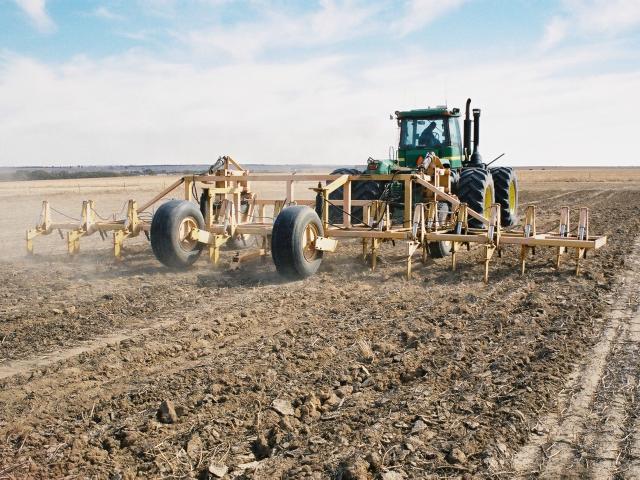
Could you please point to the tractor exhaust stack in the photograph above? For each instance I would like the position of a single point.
(467, 133)
(476, 158)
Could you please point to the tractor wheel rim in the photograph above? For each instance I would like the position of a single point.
(488, 201)
(309, 237)
(512, 198)
(184, 234)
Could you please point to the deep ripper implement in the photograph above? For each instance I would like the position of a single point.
(436, 195)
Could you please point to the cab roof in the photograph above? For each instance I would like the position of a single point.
(429, 112)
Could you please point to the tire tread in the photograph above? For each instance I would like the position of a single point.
(502, 179)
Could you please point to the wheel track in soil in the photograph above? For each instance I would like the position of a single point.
(30, 365)
(167, 330)
(594, 431)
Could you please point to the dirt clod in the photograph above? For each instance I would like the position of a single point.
(456, 456)
(128, 439)
(218, 471)
(355, 468)
(283, 407)
(194, 446)
(393, 475)
(418, 426)
(167, 412)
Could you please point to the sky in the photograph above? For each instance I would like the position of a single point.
(168, 82)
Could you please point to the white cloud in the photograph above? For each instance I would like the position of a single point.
(420, 13)
(37, 12)
(332, 23)
(590, 18)
(555, 31)
(135, 109)
(606, 16)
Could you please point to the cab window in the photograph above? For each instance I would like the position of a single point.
(429, 133)
(454, 133)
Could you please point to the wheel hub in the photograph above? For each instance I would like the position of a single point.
(309, 242)
(512, 198)
(184, 233)
(488, 201)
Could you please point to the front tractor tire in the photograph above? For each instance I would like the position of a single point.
(170, 228)
(476, 189)
(505, 183)
(293, 237)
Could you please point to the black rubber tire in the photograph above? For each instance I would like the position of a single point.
(368, 190)
(165, 241)
(441, 249)
(287, 242)
(335, 213)
(337, 193)
(505, 178)
(473, 186)
(364, 190)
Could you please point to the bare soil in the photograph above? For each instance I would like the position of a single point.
(128, 370)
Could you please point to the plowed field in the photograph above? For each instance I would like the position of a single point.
(127, 370)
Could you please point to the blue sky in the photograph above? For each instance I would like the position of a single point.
(167, 81)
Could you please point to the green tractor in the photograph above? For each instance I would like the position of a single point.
(436, 131)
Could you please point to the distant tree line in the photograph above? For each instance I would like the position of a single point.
(42, 174)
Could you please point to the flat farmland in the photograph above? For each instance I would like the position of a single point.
(351, 374)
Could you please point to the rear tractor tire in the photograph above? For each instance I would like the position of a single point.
(364, 190)
(293, 242)
(170, 228)
(505, 183)
(475, 188)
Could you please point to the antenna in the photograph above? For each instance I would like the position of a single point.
(446, 102)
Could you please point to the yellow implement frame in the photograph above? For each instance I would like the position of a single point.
(231, 209)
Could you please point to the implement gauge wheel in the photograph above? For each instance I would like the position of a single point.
(170, 229)
(476, 189)
(295, 231)
(505, 182)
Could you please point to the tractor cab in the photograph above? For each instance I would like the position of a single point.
(431, 130)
